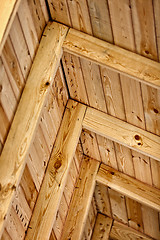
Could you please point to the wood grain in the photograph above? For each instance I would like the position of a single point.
(123, 232)
(27, 115)
(121, 60)
(122, 132)
(56, 175)
(130, 187)
(81, 200)
(8, 11)
(102, 227)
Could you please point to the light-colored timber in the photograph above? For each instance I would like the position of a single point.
(27, 116)
(54, 182)
(80, 204)
(102, 227)
(122, 132)
(129, 186)
(106, 54)
(123, 232)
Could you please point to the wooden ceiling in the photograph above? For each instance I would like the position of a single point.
(80, 119)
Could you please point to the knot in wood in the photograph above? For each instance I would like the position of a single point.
(57, 164)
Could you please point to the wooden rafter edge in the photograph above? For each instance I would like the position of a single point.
(20, 137)
(122, 132)
(81, 200)
(55, 178)
(129, 186)
(114, 57)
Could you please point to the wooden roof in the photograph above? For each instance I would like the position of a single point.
(79, 119)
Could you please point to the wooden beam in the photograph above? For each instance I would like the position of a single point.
(129, 186)
(102, 227)
(81, 200)
(54, 181)
(122, 132)
(123, 232)
(24, 125)
(8, 12)
(114, 57)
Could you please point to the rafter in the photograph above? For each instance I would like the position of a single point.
(81, 200)
(119, 59)
(122, 132)
(55, 178)
(24, 125)
(129, 186)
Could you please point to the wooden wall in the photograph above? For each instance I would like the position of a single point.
(38, 157)
(17, 57)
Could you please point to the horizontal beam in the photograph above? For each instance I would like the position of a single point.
(55, 178)
(114, 57)
(122, 132)
(123, 232)
(129, 186)
(24, 125)
(81, 200)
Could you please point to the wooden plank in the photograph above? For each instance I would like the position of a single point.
(107, 151)
(109, 55)
(100, 20)
(79, 14)
(89, 144)
(102, 227)
(57, 171)
(28, 27)
(20, 47)
(8, 11)
(151, 222)
(113, 92)
(122, 132)
(81, 200)
(5, 236)
(124, 159)
(37, 15)
(12, 68)
(123, 232)
(74, 77)
(144, 28)
(4, 126)
(151, 102)
(156, 9)
(120, 14)
(14, 226)
(130, 187)
(29, 188)
(134, 214)
(102, 199)
(118, 206)
(33, 98)
(7, 97)
(92, 79)
(59, 11)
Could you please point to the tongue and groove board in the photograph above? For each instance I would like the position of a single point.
(16, 56)
(39, 154)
